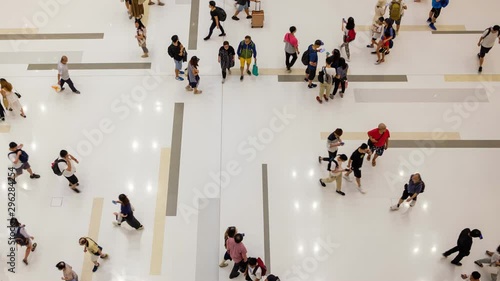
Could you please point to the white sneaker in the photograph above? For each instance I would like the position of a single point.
(412, 203)
(116, 223)
(361, 190)
(223, 264)
(394, 208)
(347, 178)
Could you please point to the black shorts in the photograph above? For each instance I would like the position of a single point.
(406, 195)
(436, 12)
(357, 172)
(73, 179)
(311, 72)
(483, 51)
(378, 150)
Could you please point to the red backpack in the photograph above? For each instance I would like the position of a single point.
(260, 263)
(351, 35)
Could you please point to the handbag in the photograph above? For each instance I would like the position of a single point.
(255, 70)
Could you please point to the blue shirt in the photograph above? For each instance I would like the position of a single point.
(440, 4)
(126, 209)
(415, 187)
(313, 56)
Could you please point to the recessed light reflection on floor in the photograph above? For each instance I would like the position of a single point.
(42, 108)
(135, 145)
(416, 250)
(139, 107)
(131, 187)
(433, 249)
(300, 249)
(155, 145)
(149, 188)
(311, 173)
(294, 174)
(296, 205)
(316, 248)
(315, 205)
(33, 146)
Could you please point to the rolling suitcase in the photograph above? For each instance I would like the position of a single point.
(257, 16)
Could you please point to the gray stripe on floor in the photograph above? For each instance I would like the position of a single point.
(459, 32)
(175, 160)
(352, 78)
(193, 25)
(420, 95)
(265, 200)
(445, 143)
(92, 66)
(51, 36)
(207, 252)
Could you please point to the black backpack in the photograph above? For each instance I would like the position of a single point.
(20, 239)
(221, 14)
(305, 57)
(55, 166)
(23, 157)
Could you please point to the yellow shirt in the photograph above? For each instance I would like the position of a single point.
(93, 248)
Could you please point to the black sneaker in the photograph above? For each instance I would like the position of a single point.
(478, 263)
(313, 85)
(322, 183)
(222, 34)
(249, 17)
(34, 176)
(34, 247)
(320, 159)
(235, 18)
(62, 89)
(76, 92)
(12, 180)
(478, 56)
(456, 263)
(206, 38)
(480, 69)
(241, 78)
(305, 79)
(248, 72)
(340, 192)
(429, 20)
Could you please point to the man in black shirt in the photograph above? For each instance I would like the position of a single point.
(215, 21)
(176, 51)
(355, 163)
(464, 244)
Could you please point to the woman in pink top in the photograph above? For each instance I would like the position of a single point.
(291, 48)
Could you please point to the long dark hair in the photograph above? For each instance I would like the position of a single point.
(14, 222)
(350, 23)
(194, 61)
(141, 25)
(123, 198)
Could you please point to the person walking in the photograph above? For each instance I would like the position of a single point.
(246, 49)
(434, 13)
(240, 6)
(217, 18)
(193, 75)
(238, 253)
(335, 174)
(493, 258)
(376, 30)
(312, 57)
(126, 213)
(380, 10)
(177, 52)
(349, 35)
(464, 244)
(22, 238)
(19, 158)
(486, 42)
(10, 95)
(474, 276)
(226, 59)
(412, 189)
(340, 78)
(378, 142)
(230, 233)
(396, 12)
(355, 163)
(253, 271)
(332, 145)
(325, 77)
(385, 43)
(67, 168)
(141, 37)
(93, 249)
(63, 75)
(291, 48)
(68, 273)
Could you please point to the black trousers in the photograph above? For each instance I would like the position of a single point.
(336, 83)
(237, 267)
(132, 221)
(289, 63)
(2, 111)
(212, 27)
(331, 156)
(460, 255)
(70, 83)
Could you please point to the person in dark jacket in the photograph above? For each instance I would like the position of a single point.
(126, 213)
(411, 191)
(226, 59)
(464, 244)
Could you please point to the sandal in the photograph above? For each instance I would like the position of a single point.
(319, 100)
(95, 268)
(23, 115)
(151, 3)
(374, 163)
(25, 261)
(34, 247)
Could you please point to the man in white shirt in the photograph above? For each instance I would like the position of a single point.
(254, 272)
(68, 169)
(486, 42)
(19, 159)
(63, 75)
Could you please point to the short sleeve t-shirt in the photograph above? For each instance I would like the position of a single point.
(332, 139)
(257, 275)
(357, 159)
(63, 70)
(126, 209)
(313, 56)
(489, 41)
(236, 250)
(382, 138)
(12, 158)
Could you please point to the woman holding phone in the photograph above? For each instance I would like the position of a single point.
(126, 213)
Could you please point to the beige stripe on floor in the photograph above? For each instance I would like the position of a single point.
(399, 136)
(472, 78)
(94, 226)
(145, 17)
(18, 30)
(4, 128)
(160, 213)
(418, 28)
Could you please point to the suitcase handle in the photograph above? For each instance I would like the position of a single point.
(258, 5)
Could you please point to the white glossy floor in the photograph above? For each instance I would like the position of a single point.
(314, 233)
